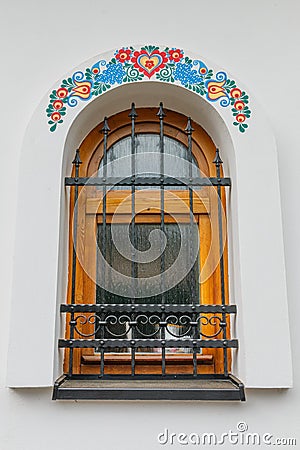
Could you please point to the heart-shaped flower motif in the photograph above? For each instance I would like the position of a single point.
(149, 63)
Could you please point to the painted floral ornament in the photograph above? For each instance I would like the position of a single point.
(149, 62)
(169, 65)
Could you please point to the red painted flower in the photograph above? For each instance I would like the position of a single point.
(175, 55)
(149, 64)
(241, 118)
(235, 93)
(62, 92)
(95, 70)
(239, 105)
(123, 55)
(58, 104)
(55, 116)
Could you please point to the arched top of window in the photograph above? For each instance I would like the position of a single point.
(148, 157)
(147, 132)
(147, 148)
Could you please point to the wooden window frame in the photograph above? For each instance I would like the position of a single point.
(85, 361)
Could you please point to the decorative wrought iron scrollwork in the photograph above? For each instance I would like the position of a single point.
(182, 324)
(215, 321)
(84, 320)
(149, 325)
(123, 320)
(154, 325)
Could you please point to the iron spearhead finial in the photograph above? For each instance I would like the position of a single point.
(105, 128)
(217, 161)
(189, 129)
(161, 114)
(77, 161)
(133, 113)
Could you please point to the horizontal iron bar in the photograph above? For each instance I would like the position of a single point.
(149, 181)
(146, 376)
(98, 308)
(136, 343)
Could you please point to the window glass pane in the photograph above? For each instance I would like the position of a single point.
(175, 237)
(148, 156)
(147, 162)
(179, 294)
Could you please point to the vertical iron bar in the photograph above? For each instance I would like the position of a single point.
(105, 130)
(161, 114)
(132, 359)
(101, 362)
(218, 162)
(76, 162)
(102, 317)
(189, 130)
(195, 367)
(133, 116)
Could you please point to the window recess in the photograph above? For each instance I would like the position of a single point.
(148, 313)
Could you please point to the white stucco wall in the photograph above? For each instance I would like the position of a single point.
(40, 43)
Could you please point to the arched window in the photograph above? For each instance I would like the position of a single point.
(148, 279)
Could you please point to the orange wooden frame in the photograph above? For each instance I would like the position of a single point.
(90, 214)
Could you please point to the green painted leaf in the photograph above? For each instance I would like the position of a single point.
(208, 75)
(229, 84)
(150, 48)
(53, 128)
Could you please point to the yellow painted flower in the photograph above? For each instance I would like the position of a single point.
(215, 90)
(82, 89)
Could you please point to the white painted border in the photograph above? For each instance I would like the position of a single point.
(257, 272)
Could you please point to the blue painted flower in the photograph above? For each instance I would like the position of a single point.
(186, 75)
(114, 73)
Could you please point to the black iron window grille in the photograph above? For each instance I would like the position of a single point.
(149, 313)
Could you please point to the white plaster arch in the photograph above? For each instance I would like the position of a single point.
(255, 230)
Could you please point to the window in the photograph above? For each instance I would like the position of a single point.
(148, 313)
